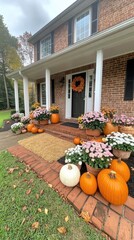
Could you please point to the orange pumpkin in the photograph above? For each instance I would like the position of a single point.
(55, 118)
(120, 167)
(99, 139)
(29, 127)
(34, 129)
(40, 130)
(76, 140)
(88, 183)
(109, 127)
(112, 187)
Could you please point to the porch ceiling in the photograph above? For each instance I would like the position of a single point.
(116, 41)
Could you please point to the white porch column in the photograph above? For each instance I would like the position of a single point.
(16, 95)
(98, 82)
(48, 102)
(26, 95)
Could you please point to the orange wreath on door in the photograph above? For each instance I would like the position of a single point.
(78, 88)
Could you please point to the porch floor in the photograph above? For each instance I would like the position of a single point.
(116, 221)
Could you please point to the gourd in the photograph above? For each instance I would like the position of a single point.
(88, 183)
(34, 129)
(30, 126)
(112, 187)
(120, 167)
(40, 130)
(76, 140)
(69, 175)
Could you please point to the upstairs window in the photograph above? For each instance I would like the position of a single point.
(45, 47)
(83, 26)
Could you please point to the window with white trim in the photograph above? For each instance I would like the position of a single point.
(45, 47)
(83, 25)
(43, 94)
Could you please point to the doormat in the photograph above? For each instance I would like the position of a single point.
(49, 147)
(70, 124)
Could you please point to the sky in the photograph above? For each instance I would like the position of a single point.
(30, 15)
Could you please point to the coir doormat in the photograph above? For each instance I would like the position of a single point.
(49, 147)
(70, 124)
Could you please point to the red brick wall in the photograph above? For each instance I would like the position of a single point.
(61, 37)
(114, 73)
(112, 12)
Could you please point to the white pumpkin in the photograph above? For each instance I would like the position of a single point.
(69, 175)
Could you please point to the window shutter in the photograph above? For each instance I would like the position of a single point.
(52, 42)
(129, 84)
(94, 20)
(52, 91)
(38, 92)
(70, 39)
(38, 50)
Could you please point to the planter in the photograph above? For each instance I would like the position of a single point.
(121, 154)
(43, 122)
(109, 127)
(126, 129)
(81, 126)
(92, 170)
(55, 118)
(94, 133)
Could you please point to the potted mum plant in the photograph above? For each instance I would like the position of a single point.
(25, 120)
(17, 116)
(126, 124)
(94, 123)
(121, 143)
(17, 127)
(42, 115)
(55, 117)
(94, 155)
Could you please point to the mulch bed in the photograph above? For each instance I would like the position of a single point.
(7, 125)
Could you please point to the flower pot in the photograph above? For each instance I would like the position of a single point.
(81, 126)
(55, 118)
(94, 133)
(92, 170)
(43, 122)
(109, 127)
(126, 129)
(121, 154)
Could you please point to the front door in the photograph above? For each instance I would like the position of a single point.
(78, 98)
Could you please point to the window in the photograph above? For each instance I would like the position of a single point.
(45, 47)
(129, 84)
(86, 23)
(43, 94)
(82, 26)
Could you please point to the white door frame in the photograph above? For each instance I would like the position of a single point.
(87, 88)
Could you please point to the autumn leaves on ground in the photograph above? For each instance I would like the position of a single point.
(31, 210)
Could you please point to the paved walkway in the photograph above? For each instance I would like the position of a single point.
(116, 221)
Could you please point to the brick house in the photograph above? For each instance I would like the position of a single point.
(91, 40)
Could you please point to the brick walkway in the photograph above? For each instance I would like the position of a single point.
(116, 221)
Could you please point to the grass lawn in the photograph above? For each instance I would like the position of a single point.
(5, 114)
(32, 210)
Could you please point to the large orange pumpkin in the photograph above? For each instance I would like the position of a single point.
(76, 140)
(30, 126)
(112, 187)
(88, 183)
(109, 127)
(34, 129)
(55, 118)
(120, 167)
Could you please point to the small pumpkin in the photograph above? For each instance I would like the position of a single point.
(29, 127)
(76, 140)
(98, 139)
(112, 187)
(40, 130)
(120, 167)
(88, 183)
(34, 129)
(69, 175)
